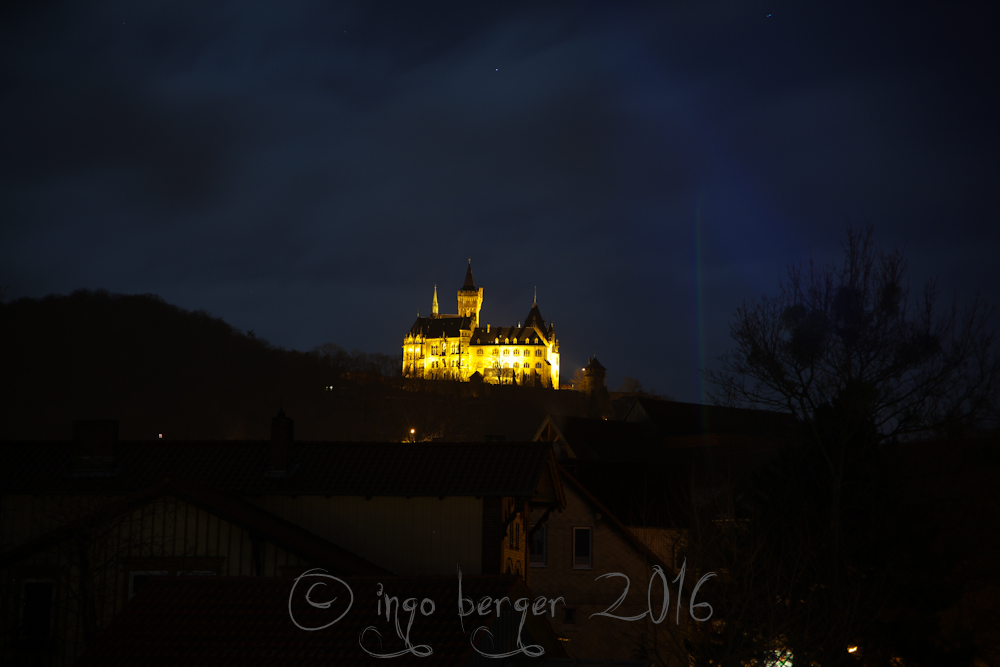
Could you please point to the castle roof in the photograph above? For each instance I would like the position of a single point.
(470, 284)
(440, 327)
(535, 318)
(595, 365)
(524, 335)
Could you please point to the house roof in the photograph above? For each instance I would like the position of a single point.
(287, 535)
(605, 439)
(247, 621)
(314, 468)
(675, 419)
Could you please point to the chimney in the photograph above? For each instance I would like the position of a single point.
(94, 443)
(282, 430)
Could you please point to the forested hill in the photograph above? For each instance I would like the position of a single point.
(155, 367)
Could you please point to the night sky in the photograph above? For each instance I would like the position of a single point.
(311, 170)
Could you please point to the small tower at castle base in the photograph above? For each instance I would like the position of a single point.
(593, 376)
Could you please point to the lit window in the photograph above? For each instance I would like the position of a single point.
(506, 351)
(527, 353)
(582, 548)
(517, 365)
(517, 353)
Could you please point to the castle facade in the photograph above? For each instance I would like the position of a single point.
(459, 346)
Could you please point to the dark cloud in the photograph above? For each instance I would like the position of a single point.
(311, 170)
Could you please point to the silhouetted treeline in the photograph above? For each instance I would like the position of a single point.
(160, 369)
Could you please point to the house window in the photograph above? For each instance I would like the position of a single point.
(36, 610)
(517, 353)
(527, 353)
(538, 548)
(506, 351)
(434, 349)
(538, 364)
(538, 353)
(479, 352)
(583, 548)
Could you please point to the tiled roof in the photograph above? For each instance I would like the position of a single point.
(203, 622)
(440, 327)
(315, 468)
(672, 418)
(605, 439)
(525, 336)
(287, 535)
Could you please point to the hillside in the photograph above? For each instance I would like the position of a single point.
(160, 369)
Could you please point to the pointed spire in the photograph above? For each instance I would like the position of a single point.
(535, 303)
(434, 304)
(470, 284)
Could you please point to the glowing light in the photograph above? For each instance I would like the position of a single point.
(852, 649)
(412, 431)
(161, 435)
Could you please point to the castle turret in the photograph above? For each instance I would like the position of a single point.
(434, 304)
(470, 298)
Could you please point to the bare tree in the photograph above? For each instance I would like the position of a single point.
(849, 339)
(864, 370)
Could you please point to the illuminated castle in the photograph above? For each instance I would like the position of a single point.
(458, 347)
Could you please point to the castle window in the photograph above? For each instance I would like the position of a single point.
(538, 364)
(515, 341)
(517, 365)
(479, 352)
(517, 353)
(527, 353)
(506, 351)
(477, 341)
(434, 349)
(538, 353)
(507, 340)
(495, 352)
(536, 340)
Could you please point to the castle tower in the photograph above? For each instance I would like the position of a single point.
(434, 304)
(593, 376)
(470, 299)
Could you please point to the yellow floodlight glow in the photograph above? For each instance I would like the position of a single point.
(852, 649)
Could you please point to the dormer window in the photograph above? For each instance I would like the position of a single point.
(515, 341)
